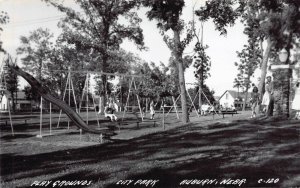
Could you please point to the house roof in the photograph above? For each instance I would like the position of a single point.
(235, 94)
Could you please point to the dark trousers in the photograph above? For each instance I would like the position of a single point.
(271, 106)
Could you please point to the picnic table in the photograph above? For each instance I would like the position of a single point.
(223, 112)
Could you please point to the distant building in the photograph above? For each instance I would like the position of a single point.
(3, 101)
(235, 99)
(21, 102)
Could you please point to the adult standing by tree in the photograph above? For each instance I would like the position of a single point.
(276, 23)
(268, 100)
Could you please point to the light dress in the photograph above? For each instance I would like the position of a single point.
(267, 95)
(296, 101)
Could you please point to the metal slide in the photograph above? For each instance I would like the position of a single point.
(61, 104)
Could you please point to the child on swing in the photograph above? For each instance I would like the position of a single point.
(109, 111)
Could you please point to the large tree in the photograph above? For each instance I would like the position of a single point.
(250, 57)
(160, 83)
(12, 83)
(277, 22)
(167, 13)
(35, 50)
(249, 61)
(97, 29)
(202, 64)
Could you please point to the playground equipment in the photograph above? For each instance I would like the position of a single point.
(86, 92)
(175, 104)
(73, 114)
(192, 101)
(3, 92)
(61, 104)
(70, 88)
(132, 83)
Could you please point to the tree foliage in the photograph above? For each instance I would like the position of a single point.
(274, 22)
(222, 12)
(97, 29)
(98, 32)
(35, 50)
(202, 62)
(250, 58)
(3, 20)
(237, 83)
(31, 94)
(249, 61)
(12, 83)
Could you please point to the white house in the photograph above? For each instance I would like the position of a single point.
(3, 102)
(235, 99)
(21, 102)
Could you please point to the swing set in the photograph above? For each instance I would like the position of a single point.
(69, 93)
(192, 102)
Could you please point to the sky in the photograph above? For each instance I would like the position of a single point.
(28, 15)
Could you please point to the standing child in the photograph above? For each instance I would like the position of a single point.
(152, 111)
(254, 101)
(296, 101)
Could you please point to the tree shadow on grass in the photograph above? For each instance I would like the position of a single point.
(14, 137)
(242, 149)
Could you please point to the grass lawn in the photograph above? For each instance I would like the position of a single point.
(252, 152)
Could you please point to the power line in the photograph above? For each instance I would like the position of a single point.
(26, 23)
(39, 19)
(36, 21)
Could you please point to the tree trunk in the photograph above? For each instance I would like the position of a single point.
(264, 67)
(13, 101)
(200, 90)
(103, 95)
(247, 89)
(200, 98)
(201, 73)
(245, 98)
(178, 56)
(104, 84)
